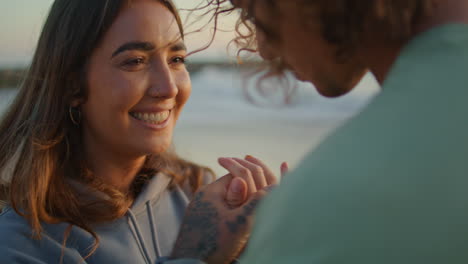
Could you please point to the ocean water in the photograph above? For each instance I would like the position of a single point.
(218, 120)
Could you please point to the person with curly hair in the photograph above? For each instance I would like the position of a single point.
(390, 185)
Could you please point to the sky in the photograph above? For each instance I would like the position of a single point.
(21, 22)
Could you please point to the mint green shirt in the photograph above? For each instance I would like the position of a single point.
(390, 186)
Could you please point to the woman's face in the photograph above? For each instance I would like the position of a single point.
(137, 83)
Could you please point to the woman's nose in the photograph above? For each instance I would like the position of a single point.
(162, 84)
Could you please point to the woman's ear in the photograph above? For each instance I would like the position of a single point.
(77, 84)
(76, 102)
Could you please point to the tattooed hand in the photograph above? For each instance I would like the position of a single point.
(218, 221)
(212, 230)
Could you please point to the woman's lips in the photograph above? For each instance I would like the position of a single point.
(154, 120)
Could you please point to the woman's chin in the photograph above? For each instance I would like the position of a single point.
(159, 148)
(151, 148)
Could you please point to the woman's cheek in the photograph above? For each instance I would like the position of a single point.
(129, 89)
(185, 87)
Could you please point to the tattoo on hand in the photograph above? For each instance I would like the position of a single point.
(241, 220)
(200, 229)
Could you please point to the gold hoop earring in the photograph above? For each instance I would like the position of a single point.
(71, 111)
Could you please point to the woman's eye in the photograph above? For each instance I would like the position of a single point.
(134, 62)
(178, 60)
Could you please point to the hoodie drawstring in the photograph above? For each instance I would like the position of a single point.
(153, 230)
(140, 237)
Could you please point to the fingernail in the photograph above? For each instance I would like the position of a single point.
(248, 157)
(236, 185)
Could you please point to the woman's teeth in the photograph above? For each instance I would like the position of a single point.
(153, 118)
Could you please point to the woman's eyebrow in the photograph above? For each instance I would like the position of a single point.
(179, 46)
(135, 45)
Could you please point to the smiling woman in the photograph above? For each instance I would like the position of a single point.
(86, 167)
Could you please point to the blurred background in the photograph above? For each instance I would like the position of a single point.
(218, 120)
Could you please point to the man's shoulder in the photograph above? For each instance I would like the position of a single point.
(379, 198)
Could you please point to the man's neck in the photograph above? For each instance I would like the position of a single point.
(380, 55)
(445, 12)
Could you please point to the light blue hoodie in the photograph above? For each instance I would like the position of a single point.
(145, 234)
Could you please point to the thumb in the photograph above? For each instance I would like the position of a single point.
(236, 192)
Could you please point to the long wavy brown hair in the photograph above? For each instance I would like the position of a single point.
(41, 150)
(344, 23)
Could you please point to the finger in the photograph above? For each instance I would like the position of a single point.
(256, 172)
(238, 170)
(269, 175)
(284, 169)
(220, 186)
(215, 192)
(236, 194)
